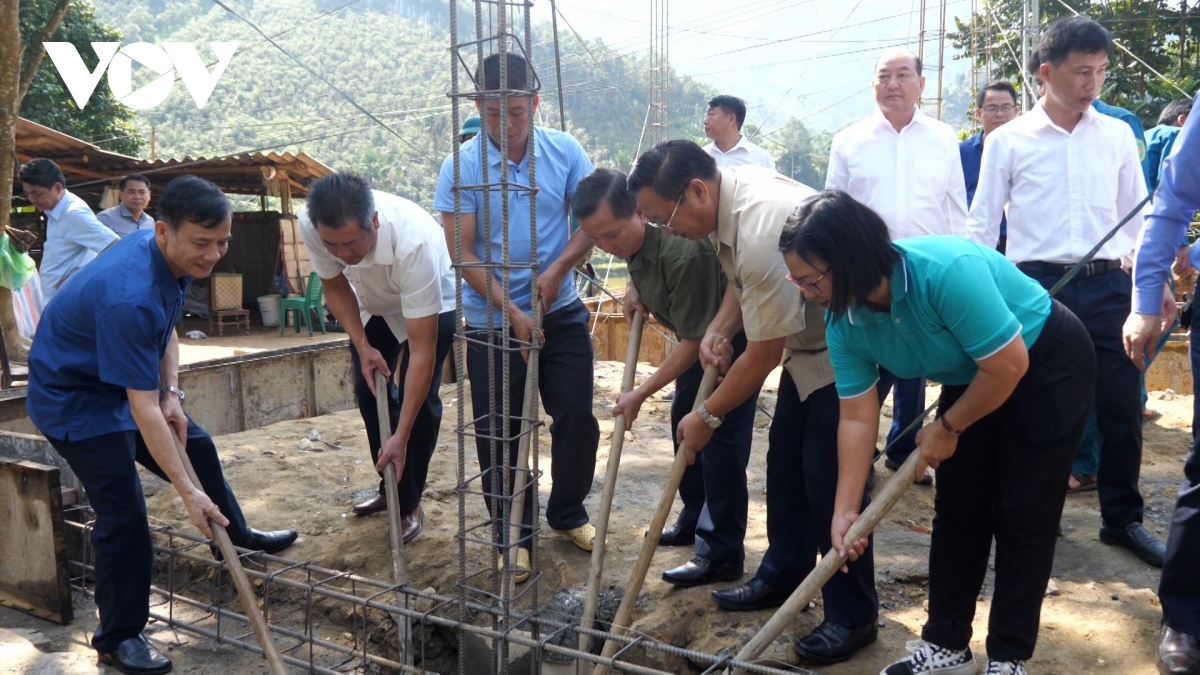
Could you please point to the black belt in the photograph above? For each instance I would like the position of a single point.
(1045, 269)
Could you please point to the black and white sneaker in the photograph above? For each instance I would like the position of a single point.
(1005, 668)
(926, 657)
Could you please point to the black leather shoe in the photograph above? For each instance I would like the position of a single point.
(1178, 653)
(137, 655)
(699, 571)
(269, 542)
(833, 644)
(1137, 539)
(752, 595)
(373, 505)
(679, 534)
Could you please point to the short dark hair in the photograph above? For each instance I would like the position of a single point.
(1074, 34)
(669, 166)
(846, 235)
(603, 186)
(731, 105)
(519, 76)
(338, 198)
(998, 85)
(1174, 109)
(1034, 65)
(189, 199)
(42, 173)
(918, 65)
(135, 177)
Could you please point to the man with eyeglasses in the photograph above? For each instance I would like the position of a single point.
(906, 167)
(995, 104)
(743, 210)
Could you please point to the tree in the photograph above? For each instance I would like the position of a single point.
(1160, 32)
(799, 153)
(19, 64)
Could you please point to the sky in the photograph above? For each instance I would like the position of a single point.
(811, 59)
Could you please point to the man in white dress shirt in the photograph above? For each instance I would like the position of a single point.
(388, 282)
(723, 124)
(906, 167)
(1068, 175)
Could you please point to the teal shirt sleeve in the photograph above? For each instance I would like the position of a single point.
(972, 308)
(855, 375)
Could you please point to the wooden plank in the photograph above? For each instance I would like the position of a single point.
(33, 559)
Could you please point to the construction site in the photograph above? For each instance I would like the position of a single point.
(293, 447)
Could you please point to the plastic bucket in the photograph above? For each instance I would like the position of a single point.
(268, 306)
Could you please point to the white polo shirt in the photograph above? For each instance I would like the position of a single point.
(742, 154)
(912, 178)
(407, 275)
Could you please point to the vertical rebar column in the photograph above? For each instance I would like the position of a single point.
(499, 428)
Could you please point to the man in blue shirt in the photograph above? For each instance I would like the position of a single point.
(73, 235)
(1175, 201)
(565, 359)
(130, 215)
(995, 104)
(1160, 139)
(103, 388)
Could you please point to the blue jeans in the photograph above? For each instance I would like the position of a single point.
(908, 403)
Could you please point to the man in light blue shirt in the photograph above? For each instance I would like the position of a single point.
(1175, 201)
(565, 360)
(130, 215)
(73, 235)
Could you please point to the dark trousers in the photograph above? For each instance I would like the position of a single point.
(1007, 481)
(713, 489)
(1194, 344)
(1102, 303)
(802, 472)
(565, 378)
(422, 440)
(120, 535)
(908, 403)
(1179, 587)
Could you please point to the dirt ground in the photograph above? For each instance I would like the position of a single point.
(1101, 614)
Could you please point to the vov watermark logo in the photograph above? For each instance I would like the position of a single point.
(117, 61)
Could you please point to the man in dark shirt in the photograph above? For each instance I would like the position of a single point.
(995, 105)
(104, 389)
(681, 283)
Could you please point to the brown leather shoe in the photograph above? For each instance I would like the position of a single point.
(373, 505)
(412, 524)
(1178, 653)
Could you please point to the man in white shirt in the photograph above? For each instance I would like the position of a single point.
(723, 124)
(1068, 175)
(73, 235)
(906, 167)
(388, 282)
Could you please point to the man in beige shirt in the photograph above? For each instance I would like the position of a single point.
(743, 209)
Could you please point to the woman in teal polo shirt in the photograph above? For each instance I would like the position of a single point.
(1016, 390)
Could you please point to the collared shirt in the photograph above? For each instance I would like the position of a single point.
(954, 302)
(1175, 200)
(1135, 125)
(406, 275)
(73, 239)
(1159, 142)
(106, 331)
(560, 165)
(971, 153)
(1064, 190)
(120, 220)
(680, 281)
(912, 178)
(752, 208)
(741, 154)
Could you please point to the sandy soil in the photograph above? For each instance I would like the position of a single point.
(1101, 616)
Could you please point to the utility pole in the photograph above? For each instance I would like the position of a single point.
(1026, 98)
(941, 56)
(921, 41)
(152, 143)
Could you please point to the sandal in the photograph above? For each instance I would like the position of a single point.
(583, 536)
(522, 568)
(1086, 483)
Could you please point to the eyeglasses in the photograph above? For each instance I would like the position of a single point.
(993, 109)
(673, 212)
(810, 286)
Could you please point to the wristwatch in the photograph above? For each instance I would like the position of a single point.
(174, 390)
(708, 418)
